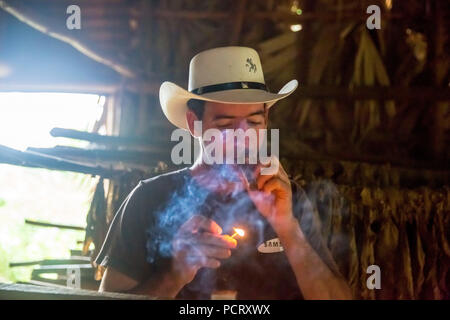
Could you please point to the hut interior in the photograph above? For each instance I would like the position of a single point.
(366, 133)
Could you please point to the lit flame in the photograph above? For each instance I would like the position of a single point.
(296, 27)
(388, 4)
(238, 232)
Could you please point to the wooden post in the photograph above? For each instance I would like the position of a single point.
(439, 68)
(237, 22)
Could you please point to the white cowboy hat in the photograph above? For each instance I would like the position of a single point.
(224, 75)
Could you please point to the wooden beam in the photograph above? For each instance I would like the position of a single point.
(95, 88)
(189, 14)
(237, 22)
(374, 93)
(149, 87)
(439, 67)
(53, 225)
(46, 262)
(27, 292)
(109, 140)
(29, 159)
(334, 92)
(84, 49)
(24, 264)
(318, 16)
(309, 92)
(127, 157)
(270, 15)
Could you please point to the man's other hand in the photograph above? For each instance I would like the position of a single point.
(199, 243)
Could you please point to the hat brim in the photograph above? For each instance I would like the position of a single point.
(173, 99)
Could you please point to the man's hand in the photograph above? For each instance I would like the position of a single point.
(273, 199)
(273, 196)
(199, 243)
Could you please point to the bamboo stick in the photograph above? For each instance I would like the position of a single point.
(53, 225)
(28, 159)
(103, 139)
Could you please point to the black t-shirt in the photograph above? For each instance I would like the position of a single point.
(139, 238)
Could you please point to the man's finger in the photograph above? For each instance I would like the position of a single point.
(283, 174)
(211, 263)
(209, 225)
(262, 179)
(214, 252)
(199, 222)
(275, 184)
(192, 223)
(216, 240)
(202, 261)
(281, 170)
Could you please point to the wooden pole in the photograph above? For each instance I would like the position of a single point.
(53, 225)
(22, 291)
(28, 159)
(439, 68)
(237, 22)
(92, 155)
(103, 139)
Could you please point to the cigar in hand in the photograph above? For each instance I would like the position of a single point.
(249, 177)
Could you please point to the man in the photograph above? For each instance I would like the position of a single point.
(172, 235)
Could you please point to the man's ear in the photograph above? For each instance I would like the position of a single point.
(191, 118)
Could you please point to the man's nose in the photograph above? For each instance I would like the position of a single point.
(242, 124)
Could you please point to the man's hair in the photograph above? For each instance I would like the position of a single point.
(197, 107)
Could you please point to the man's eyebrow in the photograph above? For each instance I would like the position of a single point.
(224, 116)
(260, 112)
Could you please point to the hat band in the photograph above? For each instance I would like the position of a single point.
(230, 86)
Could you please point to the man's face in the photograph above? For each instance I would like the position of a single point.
(223, 116)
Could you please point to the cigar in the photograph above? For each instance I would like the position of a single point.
(249, 178)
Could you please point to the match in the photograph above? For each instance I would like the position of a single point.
(238, 232)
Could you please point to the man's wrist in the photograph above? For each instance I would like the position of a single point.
(286, 226)
(176, 275)
(290, 233)
(169, 284)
